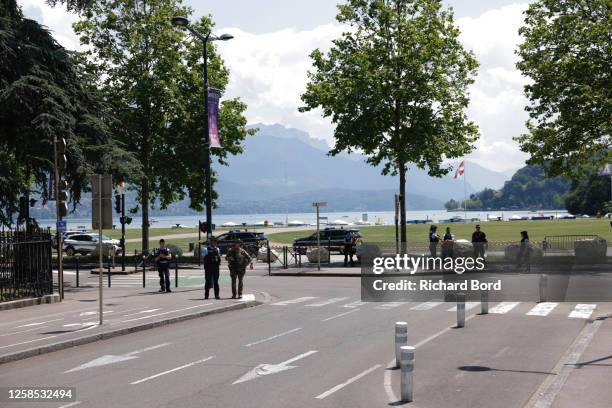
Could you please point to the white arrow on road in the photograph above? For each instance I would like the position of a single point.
(111, 359)
(267, 369)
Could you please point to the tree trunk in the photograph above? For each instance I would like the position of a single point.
(144, 199)
(402, 190)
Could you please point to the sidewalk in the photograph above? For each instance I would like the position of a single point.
(127, 307)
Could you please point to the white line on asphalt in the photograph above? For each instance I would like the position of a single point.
(95, 313)
(349, 381)
(354, 304)
(542, 309)
(273, 337)
(340, 315)
(72, 404)
(38, 323)
(390, 305)
(468, 306)
(23, 331)
(503, 307)
(172, 370)
(29, 341)
(327, 302)
(426, 305)
(582, 311)
(294, 301)
(142, 311)
(161, 314)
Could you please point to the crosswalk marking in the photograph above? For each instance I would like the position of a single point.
(468, 306)
(542, 309)
(426, 305)
(390, 305)
(503, 307)
(327, 302)
(582, 311)
(294, 301)
(355, 304)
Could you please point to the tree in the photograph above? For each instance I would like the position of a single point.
(43, 94)
(395, 86)
(590, 193)
(152, 76)
(566, 54)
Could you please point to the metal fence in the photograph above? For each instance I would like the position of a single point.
(564, 243)
(25, 264)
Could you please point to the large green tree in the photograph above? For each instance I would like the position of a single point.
(395, 86)
(44, 93)
(151, 74)
(567, 54)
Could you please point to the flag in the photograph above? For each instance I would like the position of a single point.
(606, 170)
(213, 118)
(460, 170)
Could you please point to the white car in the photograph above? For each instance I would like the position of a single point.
(86, 243)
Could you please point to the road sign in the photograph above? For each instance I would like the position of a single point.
(320, 204)
(61, 226)
(106, 185)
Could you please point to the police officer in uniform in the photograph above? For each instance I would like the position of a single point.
(349, 248)
(162, 258)
(479, 241)
(212, 261)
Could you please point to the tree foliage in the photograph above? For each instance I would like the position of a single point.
(44, 95)
(590, 193)
(395, 86)
(567, 55)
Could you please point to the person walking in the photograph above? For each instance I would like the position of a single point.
(212, 262)
(349, 248)
(238, 259)
(479, 241)
(447, 244)
(524, 255)
(434, 238)
(162, 259)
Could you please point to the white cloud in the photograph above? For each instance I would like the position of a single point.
(57, 19)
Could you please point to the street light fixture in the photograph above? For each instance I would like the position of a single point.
(183, 22)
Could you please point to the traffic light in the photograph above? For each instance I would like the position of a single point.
(62, 198)
(23, 206)
(118, 204)
(125, 220)
(60, 147)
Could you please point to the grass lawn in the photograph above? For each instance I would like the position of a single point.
(497, 231)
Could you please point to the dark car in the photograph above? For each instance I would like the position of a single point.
(250, 240)
(331, 239)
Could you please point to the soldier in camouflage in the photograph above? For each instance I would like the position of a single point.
(237, 259)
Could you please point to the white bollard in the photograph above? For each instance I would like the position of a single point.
(543, 287)
(460, 309)
(401, 339)
(484, 302)
(407, 370)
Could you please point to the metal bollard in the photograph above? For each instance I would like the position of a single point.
(144, 268)
(484, 302)
(401, 339)
(407, 371)
(76, 258)
(460, 309)
(108, 268)
(176, 271)
(543, 287)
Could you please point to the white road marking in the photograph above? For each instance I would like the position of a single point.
(162, 314)
(468, 306)
(294, 301)
(504, 307)
(83, 324)
(426, 305)
(340, 315)
(141, 312)
(390, 305)
(172, 370)
(111, 359)
(38, 323)
(29, 341)
(95, 313)
(247, 298)
(582, 311)
(273, 337)
(267, 369)
(349, 381)
(542, 309)
(355, 304)
(327, 302)
(72, 404)
(22, 331)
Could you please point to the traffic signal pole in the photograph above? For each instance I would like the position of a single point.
(122, 231)
(60, 243)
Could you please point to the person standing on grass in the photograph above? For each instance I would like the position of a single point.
(434, 238)
(447, 244)
(162, 259)
(212, 262)
(479, 241)
(237, 259)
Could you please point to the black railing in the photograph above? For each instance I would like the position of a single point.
(25, 264)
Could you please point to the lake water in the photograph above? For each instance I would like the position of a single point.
(384, 217)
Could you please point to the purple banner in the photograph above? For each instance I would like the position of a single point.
(213, 118)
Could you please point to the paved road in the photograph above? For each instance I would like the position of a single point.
(314, 344)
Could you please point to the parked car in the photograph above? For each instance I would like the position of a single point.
(331, 238)
(86, 243)
(251, 241)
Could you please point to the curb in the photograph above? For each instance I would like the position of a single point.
(16, 304)
(20, 355)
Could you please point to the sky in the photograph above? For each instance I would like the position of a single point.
(268, 61)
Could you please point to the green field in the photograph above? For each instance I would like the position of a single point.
(497, 231)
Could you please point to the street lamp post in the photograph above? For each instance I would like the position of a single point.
(183, 22)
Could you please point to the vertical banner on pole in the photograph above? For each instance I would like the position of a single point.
(213, 118)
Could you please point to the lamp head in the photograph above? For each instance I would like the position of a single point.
(180, 21)
(225, 37)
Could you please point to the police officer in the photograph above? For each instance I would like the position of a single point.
(434, 238)
(162, 258)
(349, 247)
(212, 261)
(524, 255)
(479, 240)
(237, 260)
